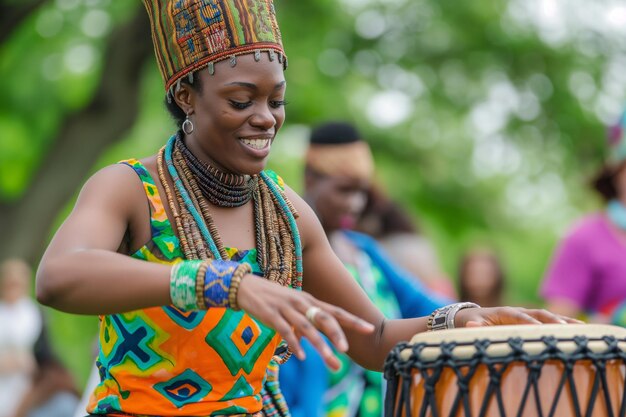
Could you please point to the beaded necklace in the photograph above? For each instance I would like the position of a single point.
(220, 188)
(279, 250)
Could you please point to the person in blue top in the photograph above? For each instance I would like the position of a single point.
(338, 173)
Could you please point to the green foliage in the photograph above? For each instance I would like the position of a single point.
(49, 68)
(483, 125)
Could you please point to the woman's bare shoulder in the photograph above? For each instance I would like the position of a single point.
(304, 210)
(117, 186)
(308, 224)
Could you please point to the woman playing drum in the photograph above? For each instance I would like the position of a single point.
(194, 257)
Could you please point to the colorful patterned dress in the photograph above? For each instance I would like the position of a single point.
(163, 361)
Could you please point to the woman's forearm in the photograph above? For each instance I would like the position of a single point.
(371, 351)
(94, 281)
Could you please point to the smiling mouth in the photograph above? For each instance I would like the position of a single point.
(256, 143)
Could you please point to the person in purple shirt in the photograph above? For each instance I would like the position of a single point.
(587, 274)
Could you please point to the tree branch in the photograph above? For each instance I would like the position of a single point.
(80, 141)
(11, 16)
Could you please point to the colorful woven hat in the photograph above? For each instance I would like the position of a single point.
(617, 141)
(191, 34)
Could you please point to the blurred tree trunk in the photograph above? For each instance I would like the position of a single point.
(12, 15)
(82, 138)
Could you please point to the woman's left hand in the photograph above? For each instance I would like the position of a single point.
(495, 316)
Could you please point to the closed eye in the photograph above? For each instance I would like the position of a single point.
(240, 105)
(278, 103)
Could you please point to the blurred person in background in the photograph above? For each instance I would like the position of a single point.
(387, 222)
(481, 278)
(338, 174)
(587, 274)
(52, 391)
(20, 325)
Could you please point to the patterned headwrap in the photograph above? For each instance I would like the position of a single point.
(336, 149)
(191, 34)
(617, 141)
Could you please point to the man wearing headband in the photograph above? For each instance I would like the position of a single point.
(338, 174)
(194, 257)
(588, 272)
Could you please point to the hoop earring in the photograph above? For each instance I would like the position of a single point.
(187, 126)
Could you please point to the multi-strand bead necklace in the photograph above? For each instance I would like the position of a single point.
(219, 188)
(279, 251)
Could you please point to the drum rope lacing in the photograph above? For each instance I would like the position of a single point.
(400, 371)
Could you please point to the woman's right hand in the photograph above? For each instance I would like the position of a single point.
(285, 310)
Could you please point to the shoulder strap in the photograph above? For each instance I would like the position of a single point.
(157, 210)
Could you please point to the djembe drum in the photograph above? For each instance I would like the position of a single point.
(573, 370)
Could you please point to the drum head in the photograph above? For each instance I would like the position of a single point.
(531, 335)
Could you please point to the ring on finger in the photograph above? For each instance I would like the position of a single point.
(311, 312)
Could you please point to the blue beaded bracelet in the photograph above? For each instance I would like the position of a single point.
(219, 287)
(196, 284)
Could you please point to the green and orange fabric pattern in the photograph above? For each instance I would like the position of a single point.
(147, 357)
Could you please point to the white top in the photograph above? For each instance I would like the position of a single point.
(20, 326)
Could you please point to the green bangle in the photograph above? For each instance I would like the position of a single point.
(183, 284)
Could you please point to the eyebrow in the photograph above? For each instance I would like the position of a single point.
(252, 86)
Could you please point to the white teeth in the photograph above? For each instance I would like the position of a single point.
(256, 143)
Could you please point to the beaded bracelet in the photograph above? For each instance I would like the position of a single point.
(218, 282)
(200, 304)
(183, 284)
(200, 284)
(241, 270)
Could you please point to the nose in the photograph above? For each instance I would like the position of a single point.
(263, 118)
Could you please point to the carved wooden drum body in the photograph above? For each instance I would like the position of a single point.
(573, 370)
